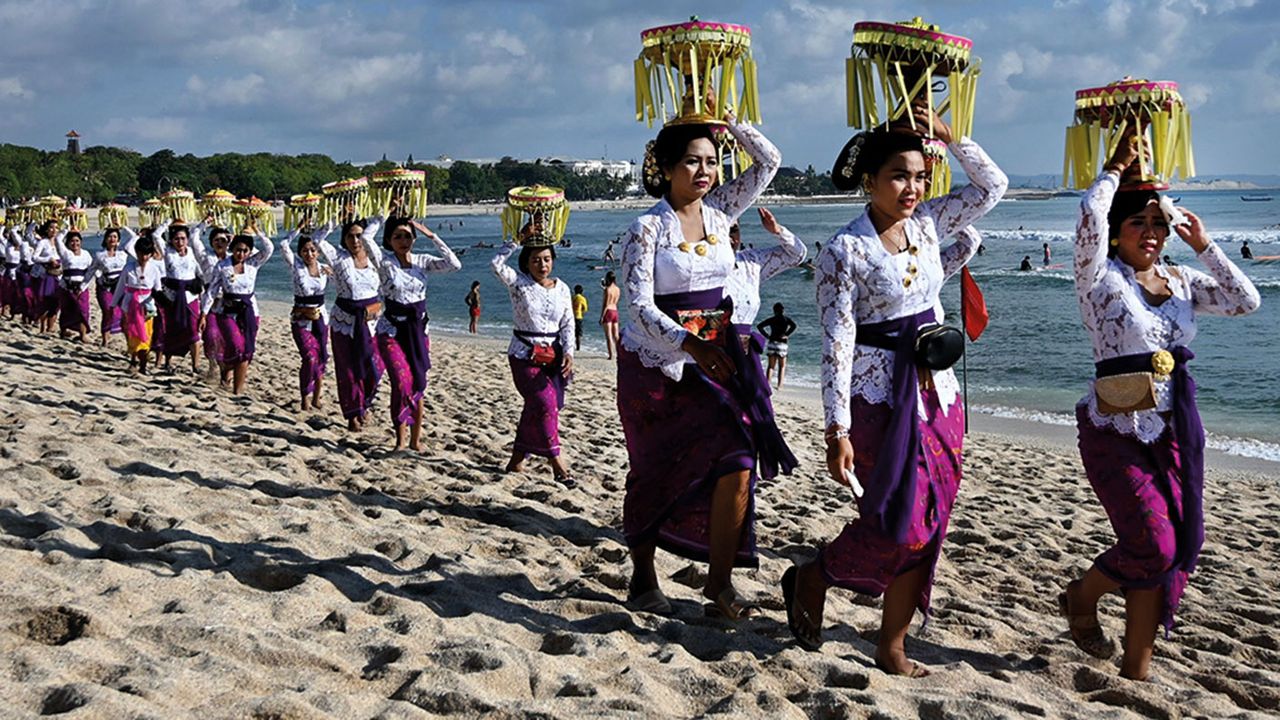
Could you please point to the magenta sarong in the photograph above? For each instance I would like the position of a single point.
(236, 335)
(404, 397)
(1140, 487)
(179, 326)
(542, 387)
(46, 293)
(356, 385)
(681, 438)
(864, 557)
(313, 349)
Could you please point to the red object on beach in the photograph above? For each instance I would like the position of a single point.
(973, 305)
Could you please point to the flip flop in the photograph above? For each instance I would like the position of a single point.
(651, 602)
(1085, 630)
(729, 606)
(811, 642)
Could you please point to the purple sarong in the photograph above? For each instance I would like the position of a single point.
(1140, 486)
(312, 341)
(179, 320)
(405, 394)
(46, 294)
(542, 388)
(864, 557)
(74, 308)
(681, 438)
(111, 315)
(237, 328)
(358, 371)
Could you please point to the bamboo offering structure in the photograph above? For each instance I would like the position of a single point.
(682, 66)
(50, 208)
(301, 211)
(181, 204)
(337, 195)
(151, 212)
(1102, 116)
(252, 212)
(218, 203)
(895, 66)
(76, 218)
(112, 215)
(542, 208)
(28, 212)
(409, 186)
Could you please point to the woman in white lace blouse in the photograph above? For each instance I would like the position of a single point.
(309, 320)
(402, 332)
(540, 352)
(356, 363)
(693, 434)
(893, 426)
(1140, 434)
(230, 301)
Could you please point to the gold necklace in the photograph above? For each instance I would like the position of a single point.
(701, 247)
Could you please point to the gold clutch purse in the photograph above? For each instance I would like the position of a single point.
(709, 325)
(1125, 393)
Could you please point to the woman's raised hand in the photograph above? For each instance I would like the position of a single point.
(1192, 232)
(769, 222)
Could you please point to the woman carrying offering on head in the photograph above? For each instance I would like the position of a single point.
(356, 362)
(403, 338)
(230, 302)
(694, 433)
(541, 349)
(108, 264)
(73, 284)
(1141, 440)
(894, 422)
(178, 331)
(309, 318)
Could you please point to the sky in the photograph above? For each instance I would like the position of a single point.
(536, 78)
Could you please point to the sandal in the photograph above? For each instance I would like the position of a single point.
(566, 480)
(1086, 632)
(729, 606)
(651, 602)
(808, 636)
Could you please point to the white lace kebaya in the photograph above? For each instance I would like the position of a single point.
(653, 263)
(409, 285)
(350, 281)
(1121, 322)
(755, 265)
(535, 309)
(304, 283)
(860, 283)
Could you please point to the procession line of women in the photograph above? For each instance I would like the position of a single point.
(693, 400)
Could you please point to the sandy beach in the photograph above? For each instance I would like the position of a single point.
(168, 550)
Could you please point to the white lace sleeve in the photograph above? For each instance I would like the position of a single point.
(447, 262)
(959, 253)
(966, 205)
(637, 276)
(1091, 233)
(262, 254)
(1225, 290)
(734, 197)
(286, 252)
(789, 253)
(836, 295)
(211, 292)
(500, 266)
(128, 238)
(566, 318)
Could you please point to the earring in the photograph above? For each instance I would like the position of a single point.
(1115, 242)
(866, 185)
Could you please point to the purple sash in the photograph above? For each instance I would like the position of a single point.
(892, 487)
(243, 312)
(1189, 433)
(749, 386)
(410, 322)
(362, 350)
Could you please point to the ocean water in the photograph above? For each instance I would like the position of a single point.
(1033, 360)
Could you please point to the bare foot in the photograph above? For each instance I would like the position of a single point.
(895, 662)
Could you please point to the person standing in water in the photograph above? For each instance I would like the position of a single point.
(609, 313)
(777, 329)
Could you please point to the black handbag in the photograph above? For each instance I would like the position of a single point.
(938, 347)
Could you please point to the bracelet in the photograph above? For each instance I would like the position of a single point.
(837, 434)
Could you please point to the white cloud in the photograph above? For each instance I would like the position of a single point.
(145, 129)
(11, 88)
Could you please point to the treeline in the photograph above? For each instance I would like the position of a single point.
(101, 174)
